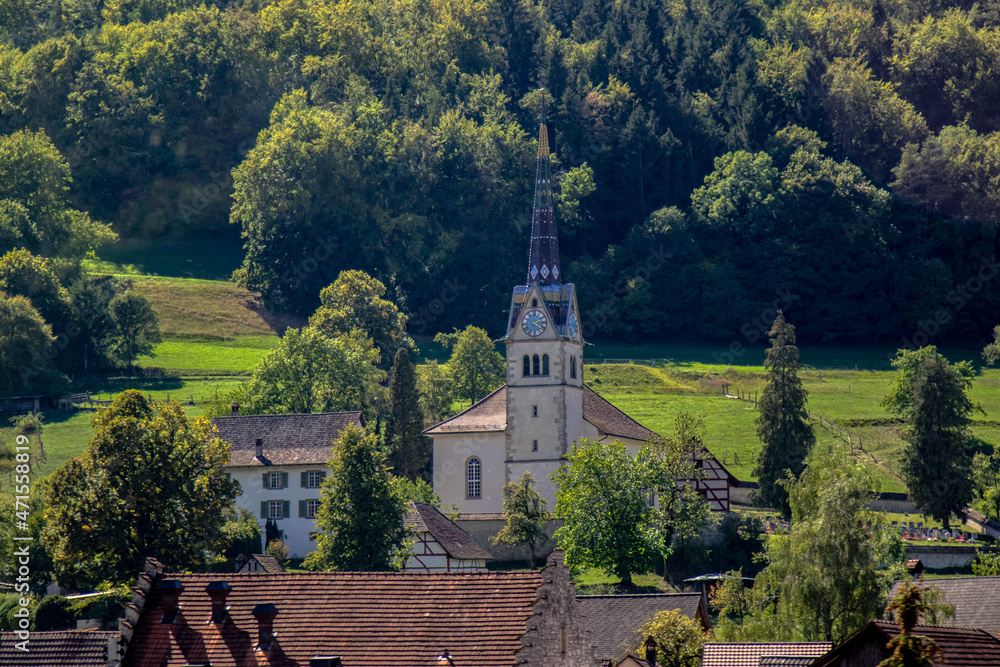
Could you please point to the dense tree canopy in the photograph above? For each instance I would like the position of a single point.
(150, 483)
(397, 138)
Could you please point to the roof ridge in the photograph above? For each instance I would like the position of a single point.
(632, 595)
(354, 574)
(936, 626)
(292, 414)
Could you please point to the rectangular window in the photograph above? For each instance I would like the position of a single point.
(312, 506)
(313, 479)
(276, 509)
(274, 480)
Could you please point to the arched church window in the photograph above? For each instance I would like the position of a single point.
(534, 303)
(545, 364)
(525, 366)
(536, 369)
(572, 367)
(474, 469)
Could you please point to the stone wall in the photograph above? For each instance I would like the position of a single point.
(942, 557)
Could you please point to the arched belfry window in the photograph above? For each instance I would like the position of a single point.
(535, 367)
(534, 303)
(474, 472)
(545, 364)
(572, 367)
(525, 366)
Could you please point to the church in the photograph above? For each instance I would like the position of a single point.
(531, 422)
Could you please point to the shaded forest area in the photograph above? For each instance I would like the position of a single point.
(715, 159)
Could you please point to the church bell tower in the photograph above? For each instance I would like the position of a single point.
(544, 346)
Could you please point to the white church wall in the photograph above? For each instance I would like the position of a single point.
(451, 457)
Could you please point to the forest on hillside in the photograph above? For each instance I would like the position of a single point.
(714, 159)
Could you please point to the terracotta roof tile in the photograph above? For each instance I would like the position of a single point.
(288, 439)
(268, 563)
(426, 518)
(748, 654)
(489, 414)
(599, 412)
(960, 647)
(614, 620)
(368, 619)
(785, 661)
(976, 600)
(69, 648)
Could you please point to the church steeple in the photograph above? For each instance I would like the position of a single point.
(543, 259)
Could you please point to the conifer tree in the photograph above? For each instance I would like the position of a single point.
(410, 450)
(937, 461)
(783, 424)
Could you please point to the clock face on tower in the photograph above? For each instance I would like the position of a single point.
(533, 323)
(574, 327)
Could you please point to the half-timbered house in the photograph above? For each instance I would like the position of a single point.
(441, 546)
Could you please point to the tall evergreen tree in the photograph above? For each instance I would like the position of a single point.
(362, 511)
(410, 450)
(783, 424)
(937, 461)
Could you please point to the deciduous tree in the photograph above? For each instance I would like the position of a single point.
(362, 511)
(150, 483)
(475, 366)
(355, 302)
(603, 497)
(136, 327)
(436, 394)
(783, 424)
(526, 516)
(680, 640)
(24, 340)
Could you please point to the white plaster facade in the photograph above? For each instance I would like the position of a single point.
(297, 501)
(429, 556)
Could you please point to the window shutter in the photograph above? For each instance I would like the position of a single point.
(263, 509)
(286, 509)
(284, 480)
(303, 479)
(266, 478)
(303, 510)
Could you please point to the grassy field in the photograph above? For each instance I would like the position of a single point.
(210, 259)
(205, 356)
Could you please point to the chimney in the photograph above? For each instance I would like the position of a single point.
(218, 590)
(236, 409)
(265, 615)
(171, 590)
(260, 449)
(650, 646)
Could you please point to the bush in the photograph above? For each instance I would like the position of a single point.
(54, 612)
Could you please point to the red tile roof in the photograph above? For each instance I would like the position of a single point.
(490, 415)
(426, 518)
(385, 619)
(960, 647)
(748, 654)
(287, 439)
(68, 648)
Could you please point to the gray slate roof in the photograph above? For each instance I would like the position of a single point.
(424, 518)
(68, 648)
(976, 600)
(614, 620)
(267, 562)
(287, 439)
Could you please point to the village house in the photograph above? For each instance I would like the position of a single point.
(280, 462)
(763, 654)
(530, 423)
(355, 619)
(960, 647)
(439, 545)
(65, 648)
(614, 620)
(259, 563)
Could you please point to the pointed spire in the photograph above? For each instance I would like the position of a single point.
(543, 259)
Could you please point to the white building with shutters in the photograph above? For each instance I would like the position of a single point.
(280, 463)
